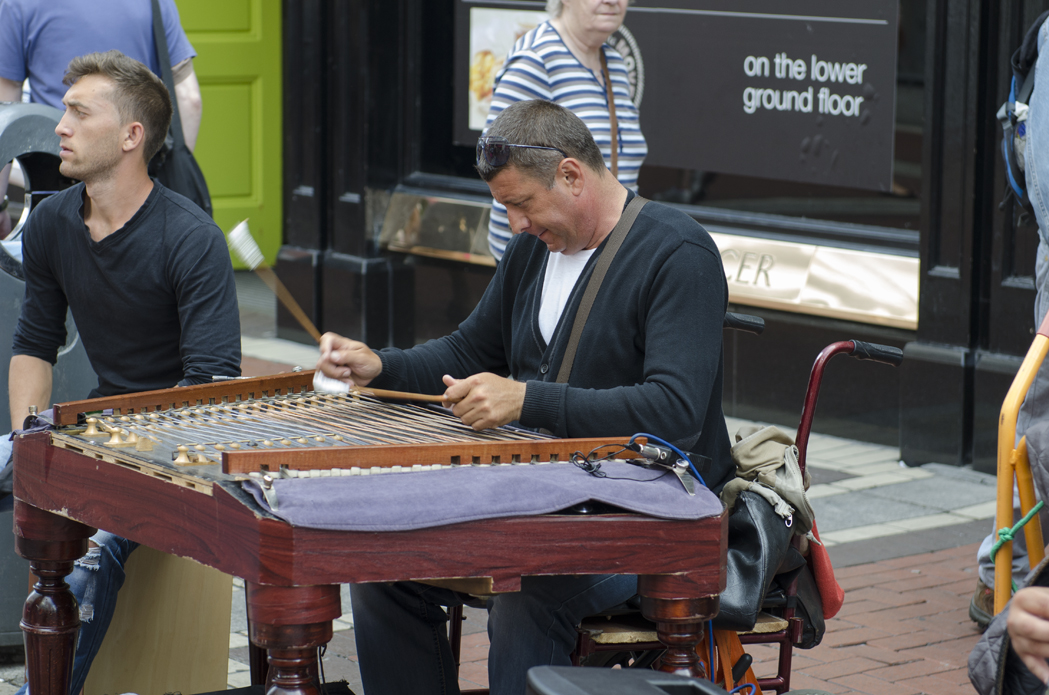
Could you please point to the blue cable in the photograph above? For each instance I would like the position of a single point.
(710, 636)
(679, 452)
(739, 687)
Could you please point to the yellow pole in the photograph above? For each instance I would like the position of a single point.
(1007, 469)
(1025, 483)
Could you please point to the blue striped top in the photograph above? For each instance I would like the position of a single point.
(541, 66)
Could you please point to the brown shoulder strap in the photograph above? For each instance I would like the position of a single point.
(615, 240)
(613, 124)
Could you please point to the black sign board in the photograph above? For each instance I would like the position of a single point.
(801, 90)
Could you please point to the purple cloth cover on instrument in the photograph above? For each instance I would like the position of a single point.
(406, 501)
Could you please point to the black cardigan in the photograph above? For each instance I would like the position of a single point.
(649, 359)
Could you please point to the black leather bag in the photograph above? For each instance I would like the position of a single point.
(174, 165)
(176, 168)
(759, 549)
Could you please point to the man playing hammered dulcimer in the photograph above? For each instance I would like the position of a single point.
(649, 359)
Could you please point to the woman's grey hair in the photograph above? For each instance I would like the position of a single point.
(544, 124)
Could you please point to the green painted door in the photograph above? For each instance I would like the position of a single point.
(238, 63)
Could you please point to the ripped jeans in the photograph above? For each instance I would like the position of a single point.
(95, 580)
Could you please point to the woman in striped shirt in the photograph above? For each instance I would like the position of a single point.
(564, 60)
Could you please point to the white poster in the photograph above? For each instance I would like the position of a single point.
(492, 34)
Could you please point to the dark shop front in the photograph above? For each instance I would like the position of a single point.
(844, 157)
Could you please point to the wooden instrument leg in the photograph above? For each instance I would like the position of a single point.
(679, 619)
(291, 622)
(50, 619)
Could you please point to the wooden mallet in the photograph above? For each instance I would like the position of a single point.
(247, 250)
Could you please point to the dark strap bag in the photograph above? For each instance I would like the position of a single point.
(174, 165)
(759, 549)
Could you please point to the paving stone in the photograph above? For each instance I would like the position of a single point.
(836, 669)
(948, 629)
(800, 661)
(822, 476)
(874, 686)
(475, 674)
(954, 652)
(923, 609)
(854, 509)
(799, 681)
(936, 492)
(963, 586)
(887, 621)
(873, 578)
(923, 581)
(880, 595)
(920, 638)
(934, 685)
(879, 654)
(949, 599)
(343, 643)
(858, 570)
(476, 652)
(850, 609)
(959, 676)
(241, 679)
(860, 635)
(914, 669)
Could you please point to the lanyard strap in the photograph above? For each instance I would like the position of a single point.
(165, 71)
(613, 124)
(615, 240)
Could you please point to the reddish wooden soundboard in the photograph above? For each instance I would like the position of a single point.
(292, 575)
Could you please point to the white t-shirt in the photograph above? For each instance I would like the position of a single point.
(562, 273)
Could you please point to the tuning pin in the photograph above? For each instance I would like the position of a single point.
(183, 454)
(131, 437)
(144, 444)
(92, 428)
(114, 439)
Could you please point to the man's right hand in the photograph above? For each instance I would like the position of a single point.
(1028, 626)
(348, 360)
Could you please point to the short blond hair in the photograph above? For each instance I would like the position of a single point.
(138, 94)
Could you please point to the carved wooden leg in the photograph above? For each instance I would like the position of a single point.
(679, 619)
(292, 622)
(50, 618)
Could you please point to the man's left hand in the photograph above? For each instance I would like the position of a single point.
(485, 400)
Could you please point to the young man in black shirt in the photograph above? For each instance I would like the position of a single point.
(144, 271)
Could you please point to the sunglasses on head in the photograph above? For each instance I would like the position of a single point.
(496, 150)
